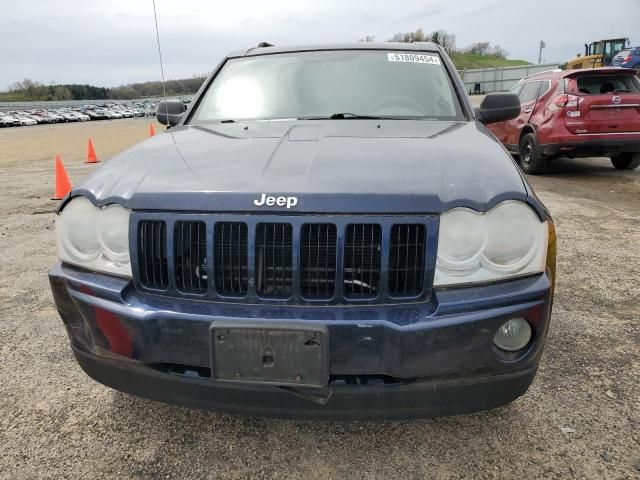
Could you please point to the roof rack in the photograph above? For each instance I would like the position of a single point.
(553, 70)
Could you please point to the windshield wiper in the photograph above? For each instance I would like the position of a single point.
(346, 116)
(335, 116)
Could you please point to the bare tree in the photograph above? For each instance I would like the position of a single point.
(367, 38)
(479, 48)
(444, 39)
(485, 49)
(409, 37)
(62, 93)
(29, 88)
(498, 52)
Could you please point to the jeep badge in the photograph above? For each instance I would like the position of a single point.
(281, 201)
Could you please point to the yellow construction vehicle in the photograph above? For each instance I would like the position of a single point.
(597, 54)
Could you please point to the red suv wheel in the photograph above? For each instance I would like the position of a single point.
(626, 161)
(531, 161)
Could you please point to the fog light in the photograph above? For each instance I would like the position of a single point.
(513, 335)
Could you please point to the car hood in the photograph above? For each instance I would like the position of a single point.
(341, 166)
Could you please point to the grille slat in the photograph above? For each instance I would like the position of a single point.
(155, 246)
(190, 256)
(152, 252)
(406, 262)
(329, 266)
(239, 253)
(318, 260)
(274, 264)
(230, 258)
(362, 256)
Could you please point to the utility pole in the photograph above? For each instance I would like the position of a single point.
(542, 45)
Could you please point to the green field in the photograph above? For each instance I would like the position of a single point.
(13, 97)
(465, 60)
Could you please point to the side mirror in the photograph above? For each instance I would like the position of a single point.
(498, 107)
(169, 112)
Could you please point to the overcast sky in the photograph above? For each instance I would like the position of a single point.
(112, 42)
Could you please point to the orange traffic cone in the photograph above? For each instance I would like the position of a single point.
(152, 131)
(91, 153)
(63, 185)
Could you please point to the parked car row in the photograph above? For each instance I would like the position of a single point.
(104, 111)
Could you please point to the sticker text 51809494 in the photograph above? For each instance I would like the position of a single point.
(413, 58)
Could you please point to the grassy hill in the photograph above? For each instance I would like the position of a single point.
(467, 60)
(13, 97)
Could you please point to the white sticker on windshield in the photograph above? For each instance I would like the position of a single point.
(413, 58)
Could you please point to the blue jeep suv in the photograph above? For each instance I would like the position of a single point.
(325, 232)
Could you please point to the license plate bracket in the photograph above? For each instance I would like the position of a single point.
(273, 353)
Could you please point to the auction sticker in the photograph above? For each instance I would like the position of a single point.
(413, 58)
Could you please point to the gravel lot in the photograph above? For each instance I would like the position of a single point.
(580, 419)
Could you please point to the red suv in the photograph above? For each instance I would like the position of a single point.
(575, 113)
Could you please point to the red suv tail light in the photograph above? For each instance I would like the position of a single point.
(561, 101)
(627, 58)
(565, 100)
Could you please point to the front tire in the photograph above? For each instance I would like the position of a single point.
(626, 161)
(530, 159)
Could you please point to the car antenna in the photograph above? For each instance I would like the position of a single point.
(260, 45)
(164, 90)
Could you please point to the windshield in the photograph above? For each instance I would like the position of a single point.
(319, 84)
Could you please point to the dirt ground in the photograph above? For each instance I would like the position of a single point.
(580, 419)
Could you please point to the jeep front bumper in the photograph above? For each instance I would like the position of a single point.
(385, 361)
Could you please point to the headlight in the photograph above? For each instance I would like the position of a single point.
(509, 240)
(94, 238)
(462, 239)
